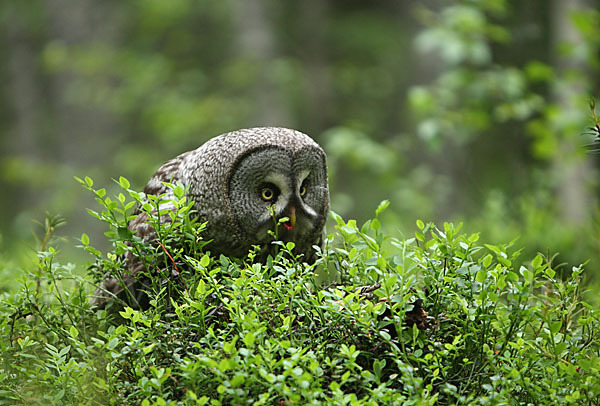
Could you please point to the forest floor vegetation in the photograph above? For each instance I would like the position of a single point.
(447, 320)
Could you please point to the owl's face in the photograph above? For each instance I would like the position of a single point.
(270, 183)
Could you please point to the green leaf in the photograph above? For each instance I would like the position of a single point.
(204, 261)
(555, 327)
(147, 349)
(560, 347)
(337, 218)
(385, 335)
(124, 183)
(527, 275)
(178, 191)
(85, 240)
(481, 276)
(474, 237)
(229, 347)
(390, 282)
(382, 206)
(124, 233)
(224, 364)
(112, 343)
(487, 260)
(126, 314)
(493, 248)
(501, 283)
(504, 261)
(537, 261)
(238, 380)
(73, 332)
(375, 224)
(420, 224)
(249, 339)
(379, 308)
(449, 230)
(378, 365)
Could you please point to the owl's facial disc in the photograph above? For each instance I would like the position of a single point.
(282, 202)
(270, 184)
(280, 184)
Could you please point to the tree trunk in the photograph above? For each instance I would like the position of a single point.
(571, 167)
(84, 132)
(22, 89)
(256, 44)
(313, 17)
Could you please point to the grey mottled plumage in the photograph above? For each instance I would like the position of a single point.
(234, 179)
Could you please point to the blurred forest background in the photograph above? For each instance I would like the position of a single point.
(455, 110)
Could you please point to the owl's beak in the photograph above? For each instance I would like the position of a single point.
(292, 218)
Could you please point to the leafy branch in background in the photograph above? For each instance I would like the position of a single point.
(51, 223)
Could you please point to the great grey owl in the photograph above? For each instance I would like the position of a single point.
(239, 181)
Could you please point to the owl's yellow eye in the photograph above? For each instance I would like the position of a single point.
(302, 190)
(268, 193)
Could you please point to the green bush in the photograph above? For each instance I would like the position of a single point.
(453, 322)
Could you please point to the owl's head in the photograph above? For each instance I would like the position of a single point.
(271, 182)
(247, 180)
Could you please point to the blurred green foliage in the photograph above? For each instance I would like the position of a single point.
(466, 110)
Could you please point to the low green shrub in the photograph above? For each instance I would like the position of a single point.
(454, 321)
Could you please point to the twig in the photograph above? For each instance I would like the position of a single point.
(176, 269)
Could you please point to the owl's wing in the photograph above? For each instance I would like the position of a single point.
(169, 172)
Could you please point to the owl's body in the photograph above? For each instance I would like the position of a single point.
(241, 183)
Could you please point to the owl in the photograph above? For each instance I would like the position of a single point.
(241, 184)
